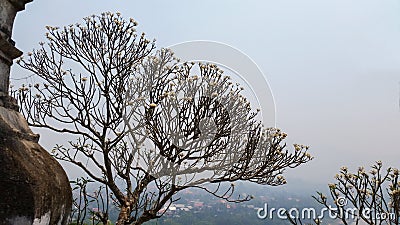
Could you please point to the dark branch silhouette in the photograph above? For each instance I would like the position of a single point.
(146, 125)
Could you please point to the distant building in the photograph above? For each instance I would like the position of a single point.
(250, 206)
(178, 206)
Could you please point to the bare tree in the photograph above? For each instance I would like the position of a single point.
(83, 200)
(363, 197)
(146, 125)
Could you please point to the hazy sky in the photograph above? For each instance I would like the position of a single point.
(333, 65)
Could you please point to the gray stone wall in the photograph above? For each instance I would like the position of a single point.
(7, 15)
(34, 188)
(8, 52)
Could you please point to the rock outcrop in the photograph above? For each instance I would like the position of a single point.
(34, 188)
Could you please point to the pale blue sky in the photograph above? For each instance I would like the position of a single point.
(333, 65)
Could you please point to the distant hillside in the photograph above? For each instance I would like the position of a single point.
(196, 207)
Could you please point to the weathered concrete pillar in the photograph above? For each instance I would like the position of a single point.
(34, 188)
(8, 52)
